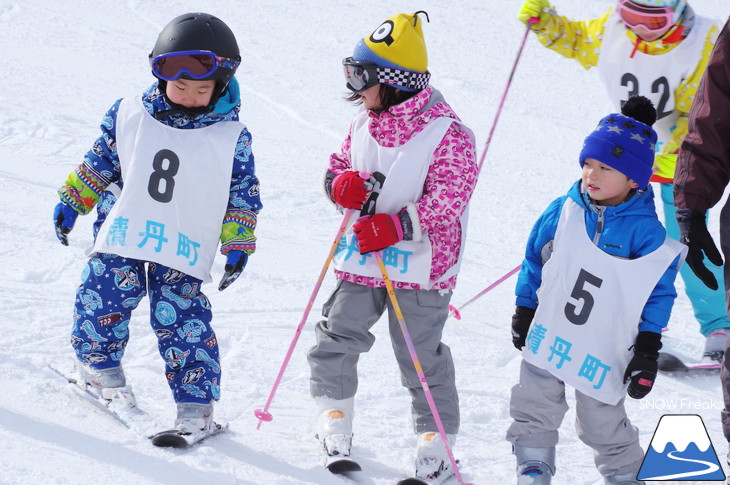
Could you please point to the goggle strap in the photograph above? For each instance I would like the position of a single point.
(407, 79)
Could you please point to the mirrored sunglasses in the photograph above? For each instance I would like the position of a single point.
(196, 64)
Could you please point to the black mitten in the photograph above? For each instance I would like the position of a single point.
(642, 369)
(521, 321)
(693, 232)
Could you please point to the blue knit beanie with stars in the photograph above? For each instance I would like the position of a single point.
(625, 141)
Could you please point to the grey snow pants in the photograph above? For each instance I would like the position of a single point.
(538, 407)
(350, 312)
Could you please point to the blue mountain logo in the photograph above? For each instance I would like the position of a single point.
(681, 450)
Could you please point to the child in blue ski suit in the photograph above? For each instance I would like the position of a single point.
(596, 283)
(171, 174)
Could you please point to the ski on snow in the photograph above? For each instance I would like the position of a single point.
(672, 359)
(669, 362)
(137, 420)
(437, 477)
(342, 466)
(418, 481)
(131, 417)
(175, 439)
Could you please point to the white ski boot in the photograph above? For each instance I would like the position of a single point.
(194, 417)
(715, 345)
(432, 461)
(334, 431)
(110, 384)
(535, 466)
(334, 424)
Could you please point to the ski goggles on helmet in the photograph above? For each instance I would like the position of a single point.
(196, 64)
(654, 19)
(363, 75)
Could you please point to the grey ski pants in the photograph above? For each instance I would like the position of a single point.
(538, 407)
(350, 312)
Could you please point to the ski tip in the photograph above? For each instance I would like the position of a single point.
(343, 466)
(169, 439)
(173, 438)
(411, 481)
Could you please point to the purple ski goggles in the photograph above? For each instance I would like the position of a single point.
(196, 64)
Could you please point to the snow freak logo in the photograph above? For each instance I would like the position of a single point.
(681, 450)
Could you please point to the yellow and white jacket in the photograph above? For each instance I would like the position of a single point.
(582, 41)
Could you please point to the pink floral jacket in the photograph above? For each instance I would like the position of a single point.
(451, 178)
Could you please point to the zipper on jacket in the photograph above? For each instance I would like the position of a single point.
(599, 223)
(599, 210)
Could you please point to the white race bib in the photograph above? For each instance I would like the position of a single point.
(655, 77)
(175, 195)
(405, 168)
(590, 306)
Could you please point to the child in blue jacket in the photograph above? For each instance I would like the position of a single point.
(594, 292)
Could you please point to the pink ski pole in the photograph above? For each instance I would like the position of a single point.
(419, 369)
(533, 20)
(263, 414)
(455, 312)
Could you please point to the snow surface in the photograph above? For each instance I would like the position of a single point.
(67, 62)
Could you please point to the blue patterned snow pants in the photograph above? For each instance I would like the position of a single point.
(112, 287)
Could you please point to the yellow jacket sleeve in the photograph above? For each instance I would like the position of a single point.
(574, 39)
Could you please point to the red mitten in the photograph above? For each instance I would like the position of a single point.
(348, 190)
(378, 232)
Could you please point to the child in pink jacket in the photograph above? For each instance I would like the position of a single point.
(408, 169)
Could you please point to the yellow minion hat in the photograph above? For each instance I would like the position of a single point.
(398, 43)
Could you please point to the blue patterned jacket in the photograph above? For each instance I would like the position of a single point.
(88, 185)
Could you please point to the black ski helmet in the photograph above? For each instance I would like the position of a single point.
(199, 31)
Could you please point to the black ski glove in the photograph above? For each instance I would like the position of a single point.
(693, 232)
(521, 321)
(643, 366)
